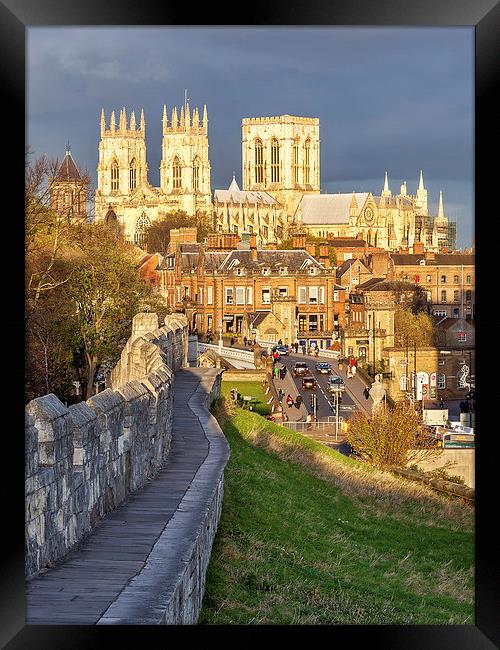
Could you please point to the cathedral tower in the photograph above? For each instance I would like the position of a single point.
(421, 196)
(280, 156)
(122, 167)
(185, 167)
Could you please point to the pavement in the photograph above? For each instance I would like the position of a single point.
(288, 386)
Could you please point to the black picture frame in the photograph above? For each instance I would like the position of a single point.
(18, 15)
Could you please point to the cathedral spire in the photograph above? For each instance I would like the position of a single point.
(174, 118)
(112, 123)
(353, 208)
(142, 122)
(165, 118)
(440, 214)
(188, 117)
(123, 120)
(132, 121)
(103, 123)
(386, 191)
(181, 125)
(421, 183)
(205, 116)
(196, 119)
(404, 189)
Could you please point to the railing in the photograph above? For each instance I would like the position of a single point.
(230, 353)
(326, 429)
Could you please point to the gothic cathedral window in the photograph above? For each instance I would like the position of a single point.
(114, 176)
(196, 174)
(259, 162)
(296, 161)
(133, 174)
(307, 162)
(140, 230)
(275, 161)
(176, 174)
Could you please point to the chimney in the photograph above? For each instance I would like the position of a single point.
(299, 240)
(327, 264)
(418, 248)
(380, 263)
(311, 249)
(253, 240)
(430, 255)
(245, 241)
(323, 251)
(254, 254)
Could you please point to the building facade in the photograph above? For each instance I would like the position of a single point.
(256, 212)
(69, 189)
(122, 172)
(280, 156)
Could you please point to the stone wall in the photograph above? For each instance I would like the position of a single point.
(83, 461)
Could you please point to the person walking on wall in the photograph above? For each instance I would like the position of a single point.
(289, 401)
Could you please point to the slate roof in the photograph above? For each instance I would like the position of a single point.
(294, 260)
(350, 243)
(259, 317)
(441, 259)
(328, 208)
(234, 195)
(447, 322)
(68, 171)
(346, 264)
(376, 284)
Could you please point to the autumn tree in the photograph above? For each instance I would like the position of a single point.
(391, 438)
(413, 329)
(158, 233)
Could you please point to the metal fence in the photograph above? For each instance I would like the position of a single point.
(326, 428)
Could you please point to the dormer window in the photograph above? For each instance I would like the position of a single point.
(239, 271)
(283, 270)
(266, 271)
(312, 270)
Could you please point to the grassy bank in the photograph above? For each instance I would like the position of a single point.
(308, 536)
(253, 388)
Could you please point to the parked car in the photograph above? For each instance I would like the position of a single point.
(282, 349)
(323, 368)
(309, 382)
(300, 368)
(335, 384)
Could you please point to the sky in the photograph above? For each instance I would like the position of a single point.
(388, 99)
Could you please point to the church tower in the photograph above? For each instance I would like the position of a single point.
(280, 156)
(122, 167)
(68, 189)
(421, 196)
(185, 167)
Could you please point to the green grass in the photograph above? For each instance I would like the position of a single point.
(308, 536)
(253, 388)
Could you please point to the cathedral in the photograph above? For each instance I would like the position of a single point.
(123, 190)
(391, 222)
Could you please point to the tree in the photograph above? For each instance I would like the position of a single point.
(391, 438)
(158, 233)
(413, 328)
(105, 292)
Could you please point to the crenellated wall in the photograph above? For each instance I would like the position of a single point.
(83, 461)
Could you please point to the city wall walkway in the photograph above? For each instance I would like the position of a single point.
(128, 570)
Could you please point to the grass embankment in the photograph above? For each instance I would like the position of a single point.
(308, 536)
(253, 388)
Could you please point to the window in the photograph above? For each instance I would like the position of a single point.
(265, 232)
(321, 322)
(266, 271)
(429, 279)
(132, 174)
(468, 279)
(455, 279)
(295, 165)
(275, 161)
(229, 295)
(443, 295)
(240, 295)
(335, 296)
(249, 295)
(209, 323)
(322, 295)
(462, 337)
(114, 176)
(210, 295)
(313, 295)
(283, 270)
(196, 174)
(307, 162)
(441, 382)
(200, 295)
(176, 174)
(266, 296)
(468, 296)
(240, 271)
(456, 295)
(302, 295)
(313, 323)
(417, 279)
(439, 312)
(443, 279)
(259, 162)
(302, 322)
(140, 230)
(282, 292)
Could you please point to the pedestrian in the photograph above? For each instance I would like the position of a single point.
(280, 342)
(303, 349)
(282, 372)
(289, 401)
(281, 394)
(462, 406)
(298, 401)
(296, 345)
(366, 392)
(276, 372)
(316, 351)
(441, 402)
(353, 370)
(245, 340)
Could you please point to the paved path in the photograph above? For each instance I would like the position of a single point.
(288, 386)
(82, 587)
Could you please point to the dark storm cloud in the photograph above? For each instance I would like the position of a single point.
(388, 99)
